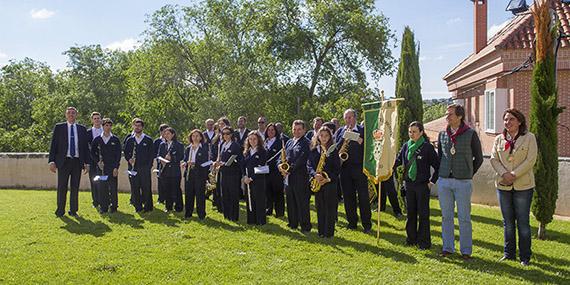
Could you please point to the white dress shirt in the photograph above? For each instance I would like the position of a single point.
(69, 139)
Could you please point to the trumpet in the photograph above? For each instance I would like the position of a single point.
(284, 165)
(315, 185)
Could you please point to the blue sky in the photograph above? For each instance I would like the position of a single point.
(42, 30)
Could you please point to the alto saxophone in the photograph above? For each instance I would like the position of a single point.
(343, 151)
(284, 165)
(315, 185)
(213, 176)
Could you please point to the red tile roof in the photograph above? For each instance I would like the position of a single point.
(518, 34)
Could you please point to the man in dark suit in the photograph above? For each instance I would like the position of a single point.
(352, 178)
(317, 124)
(156, 144)
(68, 154)
(297, 179)
(241, 132)
(95, 131)
(139, 154)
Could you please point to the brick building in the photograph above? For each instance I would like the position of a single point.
(486, 85)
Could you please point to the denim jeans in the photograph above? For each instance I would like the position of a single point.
(515, 207)
(451, 191)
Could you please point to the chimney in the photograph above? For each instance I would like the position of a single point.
(480, 24)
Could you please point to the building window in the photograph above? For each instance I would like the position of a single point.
(490, 110)
(495, 104)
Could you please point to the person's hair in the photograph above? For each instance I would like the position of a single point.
(247, 146)
(315, 141)
(195, 131)
(264, 119)
(318, 119)
(242, 117)
(299, 123)
(107, 121)
(172, 131)
(229, 129)
(330, 125)
(225, 120)
(459, 111)
(95, 114)
(163, 127)
(71, 108)
(216, 127)
(523, 129)
(272, 125)
(350, 110)
(420, 127)
(209, 120)
(138, 121)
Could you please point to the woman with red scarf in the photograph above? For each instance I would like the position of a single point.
(513, 158)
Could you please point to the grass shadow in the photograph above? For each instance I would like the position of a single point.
(122, 218)
(82, 226)
(160, 217)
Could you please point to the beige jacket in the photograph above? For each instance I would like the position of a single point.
(522, 163)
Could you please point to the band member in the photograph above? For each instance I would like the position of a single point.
(336, 123)
(326, 198)
(353, 180)
(195, 175)
(241, 132)
(261, 125)
(255, 155)
(156, 143)
(279, 127)
(106, 154)
(317, 124)
(418, 157)
(229, 175)
(274, 181)
(297, 178)
(170, 153)
(215, 156)
(132, 133)
(68, 154)
(139, 153)
(209, 132)
(95, 131)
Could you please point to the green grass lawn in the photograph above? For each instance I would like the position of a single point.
(128, 248)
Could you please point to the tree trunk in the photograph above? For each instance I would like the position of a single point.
(542, 231)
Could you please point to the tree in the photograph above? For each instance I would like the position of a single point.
(544, 113)
(408, 85)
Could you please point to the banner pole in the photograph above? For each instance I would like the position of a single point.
(378, 227)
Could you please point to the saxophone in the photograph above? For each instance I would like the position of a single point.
(315, 185)
(284, 165)
(343, 151)
(213, 176)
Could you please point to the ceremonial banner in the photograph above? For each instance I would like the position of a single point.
(380, 139)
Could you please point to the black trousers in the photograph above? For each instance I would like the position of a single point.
(195, 192)
(326, 201)
(141, 192)
(70, 170)
(94, 171)
(217, 202)
(298, 201)
(355, 191)
(108, 196)
(388, 189)
(417, 195)
(161, 190)
(230, 191)
(258, 198)
(173, 193)
(275, 194)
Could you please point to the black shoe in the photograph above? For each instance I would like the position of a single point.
(505, 258)
(73, 214)
(138, 210)
(113, 210)
(411, 243)
(424, 247)
(399, 216)
(466, 257)
(147, 210)
(292, 227)
(525, 262)
(101, 211)
(444, 253)
(351, 227)
(59, 215)
(367, 230)
(305, 231)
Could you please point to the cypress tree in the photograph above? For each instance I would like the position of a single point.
(543, 119)
(408, 85)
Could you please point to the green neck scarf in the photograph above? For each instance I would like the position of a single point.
(412, 147)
